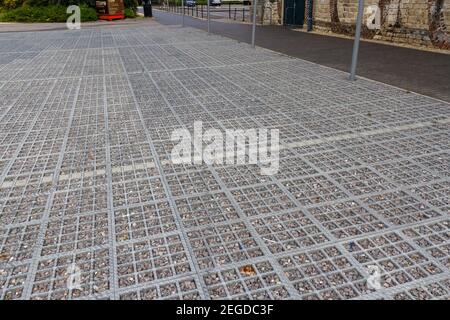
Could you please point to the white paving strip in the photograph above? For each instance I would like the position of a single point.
(150, 165)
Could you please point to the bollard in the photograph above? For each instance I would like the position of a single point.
(147, 8)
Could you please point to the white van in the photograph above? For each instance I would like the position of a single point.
(215, 2)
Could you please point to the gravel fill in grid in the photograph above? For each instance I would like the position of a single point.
(219, 245)
(361, 181)
(399, 262)
(325, 273)
(186, 289)
(347, 219)
(191, 183)
(53, 275)
(132, 192)
(206, 209)
(75, 233)
(144, 221)
(269, 198)
(18, 243)
(434, 238)
(262, 282)
(151, 260)
(314, 190)
(399, 207)
(437, 194)
(434, 290)
(21, 210)
(12, 280)
(288, 231)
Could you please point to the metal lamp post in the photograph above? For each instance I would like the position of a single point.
(182, 13)
(254, 23)
(209, 18)
(357, 38)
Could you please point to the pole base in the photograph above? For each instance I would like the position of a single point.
(148, 10)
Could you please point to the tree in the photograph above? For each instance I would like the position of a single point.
(437, 28)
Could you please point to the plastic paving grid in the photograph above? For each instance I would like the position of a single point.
(86, 176)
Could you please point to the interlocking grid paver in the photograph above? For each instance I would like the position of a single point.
(86, 177)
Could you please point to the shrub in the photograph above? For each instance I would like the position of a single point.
(130, 13)
(51, 13)
(88, 13)
(66, 3)
(10, 4)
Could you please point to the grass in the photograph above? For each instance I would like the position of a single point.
(51, 13)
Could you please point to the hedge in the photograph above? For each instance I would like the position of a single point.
(50, 13)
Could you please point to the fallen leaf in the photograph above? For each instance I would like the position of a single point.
(3, 257)
(247, 270)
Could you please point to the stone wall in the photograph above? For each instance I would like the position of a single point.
(416, 22)
(268, 12)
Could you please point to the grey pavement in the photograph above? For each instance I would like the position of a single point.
(52, 26)
(92, 204)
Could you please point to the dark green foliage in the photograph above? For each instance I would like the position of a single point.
(50, 13)
(132, 4)
(53, 10)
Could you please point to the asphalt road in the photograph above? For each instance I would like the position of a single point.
(420, 71)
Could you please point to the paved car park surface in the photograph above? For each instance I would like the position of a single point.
(91, 205)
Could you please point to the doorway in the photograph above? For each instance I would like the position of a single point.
(294, 12)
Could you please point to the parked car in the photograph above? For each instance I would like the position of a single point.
(190, 3)
(215, 2)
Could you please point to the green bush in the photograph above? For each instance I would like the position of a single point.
(66, 3)
(130, 13)
(42, 3)
(88, 13)
(50, 13)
